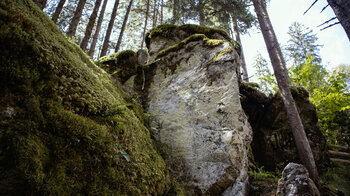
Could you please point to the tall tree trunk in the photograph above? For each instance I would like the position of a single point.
(201, 12)
(76, 18)
(175, 11)
(90, 25)
(145, 27)
(123, 26)
(283, 80)
(341, 9)
(58, 11)
(161, 12)
(155, 13)
(238, 39)
(98, 28)
(41, 3)
(109, 29)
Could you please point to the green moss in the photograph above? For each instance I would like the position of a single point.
(180, 45)
(222, 53)
(170, 31)
(72, 132)
(251, 85)
(119, 56)
(336, 180)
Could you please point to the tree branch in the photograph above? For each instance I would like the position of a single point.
(310, 6)
(324, 8)
(327, 21)
(330, 26)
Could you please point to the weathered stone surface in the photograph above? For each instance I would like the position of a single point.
(273, 141)
(295, 181)
(193, 99)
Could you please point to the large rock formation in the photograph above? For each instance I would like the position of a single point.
(273, 141)
(193, 99)
(65, 127)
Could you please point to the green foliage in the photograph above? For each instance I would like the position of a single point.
(267, 81)
(309, 74)
(302, 44)
(333, 108)
(263, 182)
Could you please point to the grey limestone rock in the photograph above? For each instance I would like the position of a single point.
(295, 181)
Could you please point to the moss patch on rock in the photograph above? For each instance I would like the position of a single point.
(170, 31)
(121, 65)
(66, 127)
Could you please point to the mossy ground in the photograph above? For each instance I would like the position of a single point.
(71, 131)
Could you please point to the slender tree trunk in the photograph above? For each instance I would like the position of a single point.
(238, 39)
(161, 12)
(175, 11)
(98, 28)
(123, 26)
(109, 29)
(201, 12)
(341, 9)
(41, 3)
(145, 27)
(155, 13)
(58, 11)
(90, 25)
(283, 81)
(76, 18)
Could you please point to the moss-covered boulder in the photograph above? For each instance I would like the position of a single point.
(66, 128)
(273, 143)
(121, 65)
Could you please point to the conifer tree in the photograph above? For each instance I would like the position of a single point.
(98, 28)
(123, 26)
(284, 84)
(90, 25)
(75, 20)
(58, 11)
(41, 3)
(109, 29)
(145, 27)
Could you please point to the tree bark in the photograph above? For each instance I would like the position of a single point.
(155, 13)
(41, 3)
(75, 20)
(341, 9)
(238, 39)
(201, 12)
(123, 26)
(175, 12)
(90, 25)
(98, 28)
(109, 29)
(161, 12)
(283, 81)
(58, 11)
(145, 27)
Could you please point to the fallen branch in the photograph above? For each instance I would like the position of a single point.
(341, 148)
(339, 154)
(340, 160)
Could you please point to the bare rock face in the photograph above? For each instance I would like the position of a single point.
(193, 100)
(295, 181)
